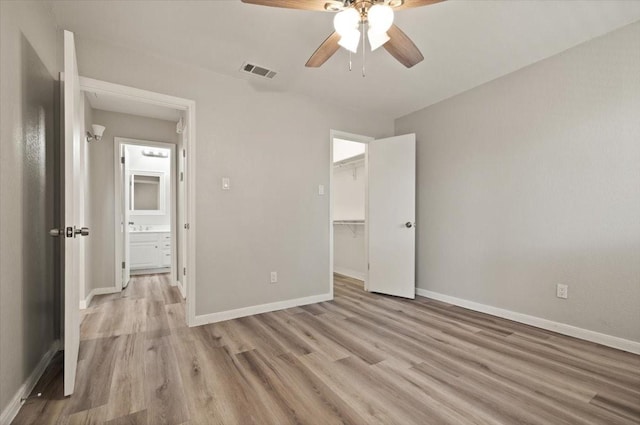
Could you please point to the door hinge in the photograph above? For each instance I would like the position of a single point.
(184, 153)
(124, 264)
(122, 159)
(184, 271)
(187, 226)
(181, 176)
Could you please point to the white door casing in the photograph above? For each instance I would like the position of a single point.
(126, 217)
(73, 199)
(391, 165)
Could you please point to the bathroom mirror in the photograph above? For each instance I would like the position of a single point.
(147, 193)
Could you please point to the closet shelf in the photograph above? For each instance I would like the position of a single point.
(348, 221)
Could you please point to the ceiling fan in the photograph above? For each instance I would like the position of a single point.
(353, 15)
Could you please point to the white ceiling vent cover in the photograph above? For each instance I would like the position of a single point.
(260, 71)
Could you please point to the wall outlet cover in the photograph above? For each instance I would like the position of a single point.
(562, 291)
(274, 277)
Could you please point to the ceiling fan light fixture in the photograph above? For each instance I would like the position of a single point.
(380, 18)
(350, 40)
(377, 39)
(346, 22)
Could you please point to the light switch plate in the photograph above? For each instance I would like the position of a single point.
(320, 189)
(226, 183)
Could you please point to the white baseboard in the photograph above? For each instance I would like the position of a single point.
(257, 309)
(561, 328)
(97, 291)
(181, 288)
(12, 409)
(350, 273)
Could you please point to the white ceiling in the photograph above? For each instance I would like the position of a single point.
(465, 43)
(112, 103)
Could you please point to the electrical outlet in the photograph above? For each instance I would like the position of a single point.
(562, 291)
(274, 277)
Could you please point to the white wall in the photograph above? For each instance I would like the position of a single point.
(275, 148)
(533, 180)
(349, 191)
(29, 284)
(101, 244)
(349, 204)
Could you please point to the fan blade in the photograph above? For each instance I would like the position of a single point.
(325, 51)
(415, 3)
(291, 4)
(402, 48)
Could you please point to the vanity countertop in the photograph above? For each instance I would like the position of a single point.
(149, 229)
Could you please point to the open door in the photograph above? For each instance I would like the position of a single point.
(391, 219)
(125, 184)
(181, 221)
(73, 164)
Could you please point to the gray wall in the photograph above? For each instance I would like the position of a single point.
(275, 149)
(533, 180)
(101, 245)
(29, 315)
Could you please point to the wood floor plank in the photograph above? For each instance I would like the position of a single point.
(361, 358)
(165, 400)
(136, 418)
(127, 392)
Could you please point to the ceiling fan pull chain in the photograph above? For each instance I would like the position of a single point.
(364, 49)
(350, 64)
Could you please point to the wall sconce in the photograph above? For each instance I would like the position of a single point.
(98, 131)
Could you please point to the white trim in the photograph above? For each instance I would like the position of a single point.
(189, 106)
(12, 409)
(181, 288)
(119, 143)
(221, 316)
(355, 138)
(97, 291)
(561, 328)
(350, 273)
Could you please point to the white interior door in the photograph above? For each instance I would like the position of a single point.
(126, 217)
(73, 202)
(182, 213)
(391, 215)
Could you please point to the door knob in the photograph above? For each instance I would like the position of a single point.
(83, 231)
(56, 232)
(409, 224)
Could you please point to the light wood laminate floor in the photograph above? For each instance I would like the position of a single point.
(360, 359)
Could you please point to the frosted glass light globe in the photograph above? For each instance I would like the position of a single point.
(350, 41)
(380, 18)
(346, 21)
(377, 39)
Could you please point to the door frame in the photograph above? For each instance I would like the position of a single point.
(118, 144)
(337, 134)
(189, 146)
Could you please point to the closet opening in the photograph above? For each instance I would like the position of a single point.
(349, 183)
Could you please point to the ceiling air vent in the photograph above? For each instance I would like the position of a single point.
(258, 70)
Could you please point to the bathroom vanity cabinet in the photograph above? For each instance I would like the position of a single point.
(150, 250)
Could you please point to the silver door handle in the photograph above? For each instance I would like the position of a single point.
(83, 231)
(56, 232)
